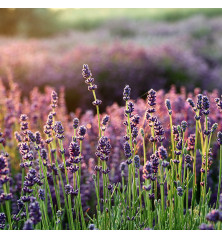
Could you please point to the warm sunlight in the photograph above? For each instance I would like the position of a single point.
(110, 119)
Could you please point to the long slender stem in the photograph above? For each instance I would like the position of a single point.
(97, 176)
(79, 194)
(8, 209)
(67, 181)
(187, 193)
(220, 174)
(194, 165)
(206, 163)
(172, 140)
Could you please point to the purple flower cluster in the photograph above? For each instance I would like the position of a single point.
(58, 163)
(4, 170)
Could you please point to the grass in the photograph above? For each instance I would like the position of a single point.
(87, 19)
(31, 22)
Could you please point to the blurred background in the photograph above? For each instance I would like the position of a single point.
(145, 48)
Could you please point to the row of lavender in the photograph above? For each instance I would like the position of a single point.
(48, 167)
(155, 67)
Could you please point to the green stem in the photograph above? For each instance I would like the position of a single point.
(67, 181)
(172, 140)
(162, 193)
(79, 193)
(194, 165)
(219, 183)
(187, 194)
(206, 162)
(144, 150)
(8, 209)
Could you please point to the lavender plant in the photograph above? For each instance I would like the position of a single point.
(151, 166)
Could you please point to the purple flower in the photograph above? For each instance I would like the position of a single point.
(147, 188)
(54, 100)
(179, 191)
(151, 98)
(43, 154)
(23, 117)
(188, 160)
(135, 132)
(31, 136)
(214, 127)
(2, 220)
(213, 216)
(162, 153)
(122, 166)
(147, 170)
(206, 105)
(35, 212)
(126, 93)
(97, 102)
(127, 150)
(59, 130)
(219, 138)
(74, 150)
(18, 137)
(130, 109)
(199, 101)
(179, 144)
(38, 137)
(191, 142)
(86, 73)
(168, 105)
(204, 226)
(191, 103)
(42, 194)
(137, 161)
(165, 164)
(105, 120)
(75, 123)
(184, 126)
(218, 103)
(81, 132)
(103, 148)
(28, 225)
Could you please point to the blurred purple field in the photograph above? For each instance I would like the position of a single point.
(155, 55)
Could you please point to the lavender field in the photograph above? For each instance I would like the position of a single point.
(185, 53)
(119, 132)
